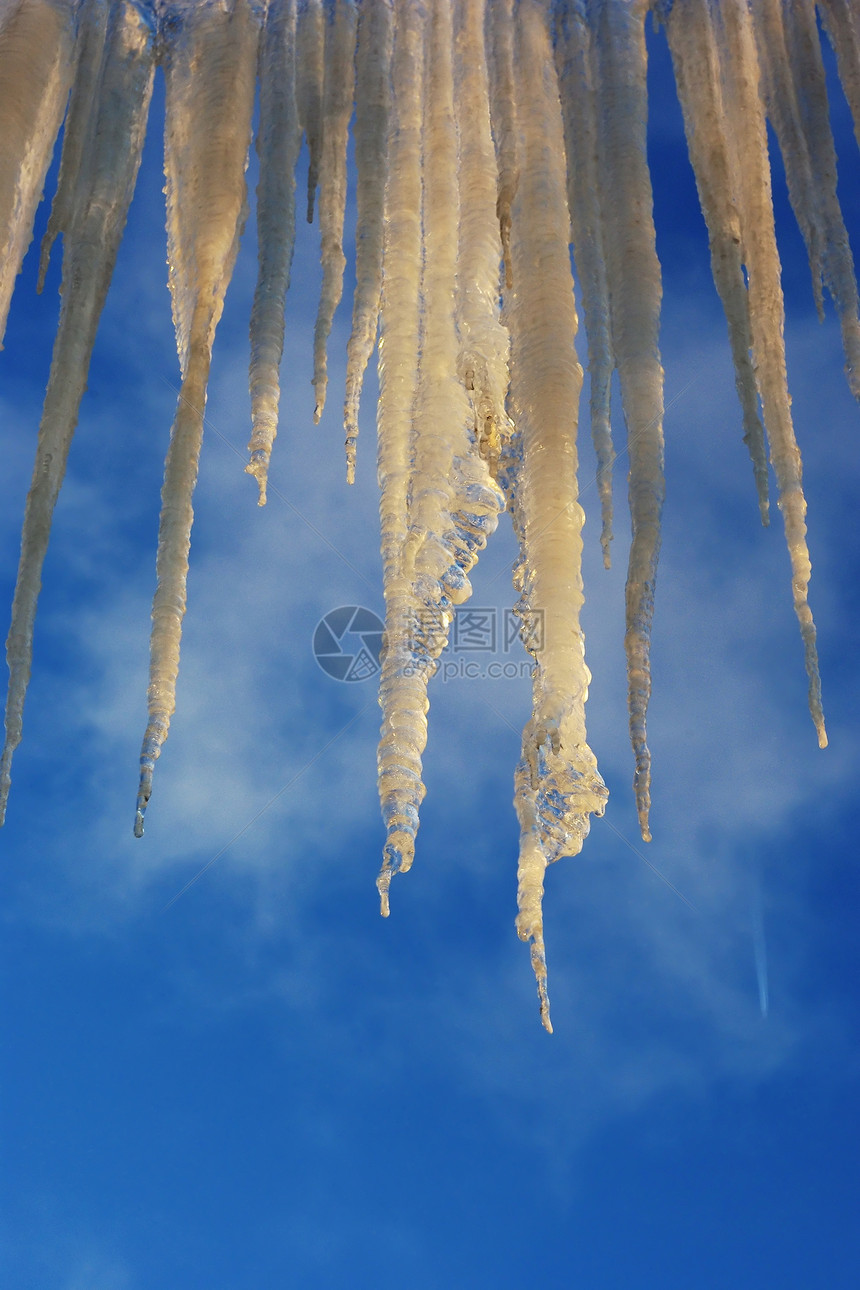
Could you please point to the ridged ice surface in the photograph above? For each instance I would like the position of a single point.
(492, 138)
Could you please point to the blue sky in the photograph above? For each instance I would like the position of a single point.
(253, 1080)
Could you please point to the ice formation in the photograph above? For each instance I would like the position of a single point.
(492, 137)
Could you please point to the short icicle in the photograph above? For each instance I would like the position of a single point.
(310, 70)
(278, 140)
(370, 134)
(696, 62)
(208, 132)
(484, 341)
(339, 87)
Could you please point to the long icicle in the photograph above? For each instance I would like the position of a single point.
(339, 88)
(557, 785)
(767, 315)
(207, 136)
(695, 60)
(278, 141)
(635, 288)
(399, 763)
(92, 231)
(453, 504)
(37, 44)
(370, 133)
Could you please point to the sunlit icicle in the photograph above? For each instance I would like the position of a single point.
(842, 24)
(37, 44)
(278, 141)
(337, 109)
(370, 135)
(579, 112)
(557, 785)
(80, 120)
(310, 70)
(500, 24)
(695, 59)
(767, 313)
(453, 504)
(399, 757)
(91, 236)
(635, 289)
(484, 342)
(207, 135)
(837, 262)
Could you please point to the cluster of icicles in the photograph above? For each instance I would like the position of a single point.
(489, 136)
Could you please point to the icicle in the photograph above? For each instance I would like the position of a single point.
(579, 111)
(633, 273)
(399, 758)
(837, 263)
(278, 141)
(780, 97)
(207, 134)
(796, 96)
(36, 65)
(503, 111)
(484, 343)
(93, 227)
(80, 121)
(695, 60)
(453, 504)
(557, 785)
(310, 45)
(767, 314)
(337, 110)
(373, 91)
(842, 24)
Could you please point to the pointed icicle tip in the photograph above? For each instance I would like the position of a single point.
(144, 793)
(383, 882)
(258, 470)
